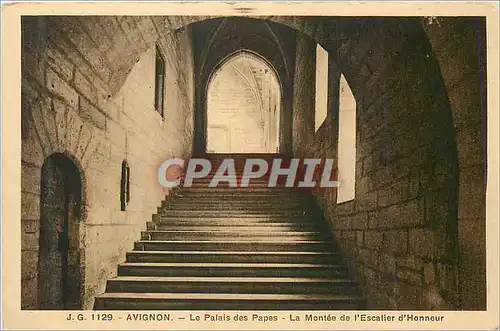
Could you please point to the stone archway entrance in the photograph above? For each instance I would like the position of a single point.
(60, 273)
(243, 106)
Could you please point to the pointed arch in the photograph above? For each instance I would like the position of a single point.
(60, 257)
(246, 89)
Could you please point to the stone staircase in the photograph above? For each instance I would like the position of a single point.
(254, 248)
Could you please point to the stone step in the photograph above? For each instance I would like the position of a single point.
(215, 225)
(239, 164)
(227, 179)
(241, 156)
(233, 203)
(228, 235)
(241, 209)
(221, 213)
(242, 199)
(238, 201)
(225, 186)
(224, 301)
(212, 219)
(269, 208)
(239, 176)
(228, 195)
(238, 168)
(242, 190)
(233, 257)
(233, 269)
(253, 285)
(239, 245)
(239, 198)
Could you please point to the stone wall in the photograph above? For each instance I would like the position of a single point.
(71, 107)
(400, 231)
(460, 47)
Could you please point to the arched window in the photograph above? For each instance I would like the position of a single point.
(125, 186)
(346, 143)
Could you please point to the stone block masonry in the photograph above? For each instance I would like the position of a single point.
(72, 106)
(401, 228)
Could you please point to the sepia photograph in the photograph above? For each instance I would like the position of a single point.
(253, 161)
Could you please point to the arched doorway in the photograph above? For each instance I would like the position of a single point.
(243, 106)
(60, 277)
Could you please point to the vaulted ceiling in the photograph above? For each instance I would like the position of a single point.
(215, 40)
